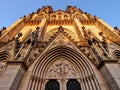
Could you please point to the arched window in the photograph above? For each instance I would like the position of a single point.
(52, 85)
(73, 84)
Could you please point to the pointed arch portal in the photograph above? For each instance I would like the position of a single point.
(73, 61)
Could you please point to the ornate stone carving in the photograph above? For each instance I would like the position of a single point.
(62, 69)
(59, 15)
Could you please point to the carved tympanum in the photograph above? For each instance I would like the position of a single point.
(62, 68)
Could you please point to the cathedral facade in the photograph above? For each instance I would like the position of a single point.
(59, 50)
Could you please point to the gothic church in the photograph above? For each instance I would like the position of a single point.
(59, 50)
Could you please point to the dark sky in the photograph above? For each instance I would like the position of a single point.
(108, 10)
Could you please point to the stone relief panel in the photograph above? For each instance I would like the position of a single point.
(62, 69)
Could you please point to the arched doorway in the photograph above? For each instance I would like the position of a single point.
(66, 66)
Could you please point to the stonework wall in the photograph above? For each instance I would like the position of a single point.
(111, 73)
(11, 78)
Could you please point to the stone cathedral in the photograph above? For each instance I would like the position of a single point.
(59, 50)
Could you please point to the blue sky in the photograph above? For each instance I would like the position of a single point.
(108, 10)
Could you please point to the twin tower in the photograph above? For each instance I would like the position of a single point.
(59, 50)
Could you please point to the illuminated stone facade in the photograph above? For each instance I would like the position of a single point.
(59, 50)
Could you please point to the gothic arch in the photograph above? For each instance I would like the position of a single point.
(72, 34)
(87, 77)
(4, 57)
(116, 54)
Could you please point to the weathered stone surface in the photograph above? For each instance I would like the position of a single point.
(11, 78)
(111, 73)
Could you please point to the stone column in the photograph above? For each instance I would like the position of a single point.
(111, 73)
(11, 78)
